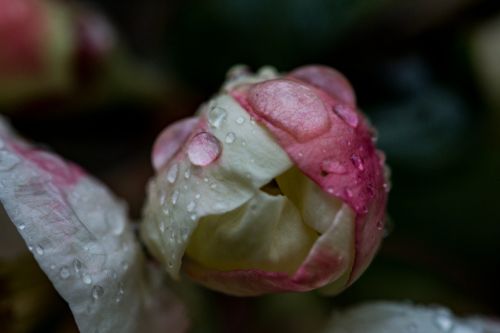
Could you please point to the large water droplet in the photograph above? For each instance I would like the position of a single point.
(230, 137)
(97, 292)
(203, 149)
(64, 273)
(333, 166)
(8, 160)
(172, 173)
(347, 114)
(292, 107)
(39, 250)
(216, 115)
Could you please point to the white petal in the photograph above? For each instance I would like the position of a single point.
(249, 159)
(391, 317)
(81, 237)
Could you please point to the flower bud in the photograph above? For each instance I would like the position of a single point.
(274, 186)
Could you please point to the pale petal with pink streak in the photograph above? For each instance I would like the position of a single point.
(80, 236)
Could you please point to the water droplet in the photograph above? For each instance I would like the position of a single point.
(119, 293)
(357, 161)
(330, 190)
(213, 186)
(77, 265)
(197, 196)
(348, 193)
(191, 205)
(175, 197)
(296, 108)
(64, 273)
(230, 137)
(216, 115)
(187, 173)
(243, 143)
(203, 149)
(165, 210)
(162, 227)
(22, 226)
(172, 173)
(193, 217)
(347, 114)
(162, 198)
(87, 279)
(205, 180)
(333, 166)
(380, 225)
(30, 248)
(125, 265)
(300, 154)
(8, 160)
(97, 292)
(240, 120)
(39, 250)
(443, 321)
(52, 267)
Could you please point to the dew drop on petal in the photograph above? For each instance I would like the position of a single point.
(87, 279)
(230, 138)
(97, 292)
(22, 226)
(162, 227)
(64, 273)
(240, 120)
(191, 205)
(216, 115)
(39, 250)
(193, 217)
(357, 162)
(77, 265)
(444, 322)
(203, 149)
(187, 173)
(172, 173)
(175, 197)
(333, 166)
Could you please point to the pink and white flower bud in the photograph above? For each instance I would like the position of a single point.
(275, 185)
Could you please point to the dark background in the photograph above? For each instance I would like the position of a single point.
(427, 73)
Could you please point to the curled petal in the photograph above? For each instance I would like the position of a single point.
(80, 236)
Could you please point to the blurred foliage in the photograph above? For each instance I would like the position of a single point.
(426, 72)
